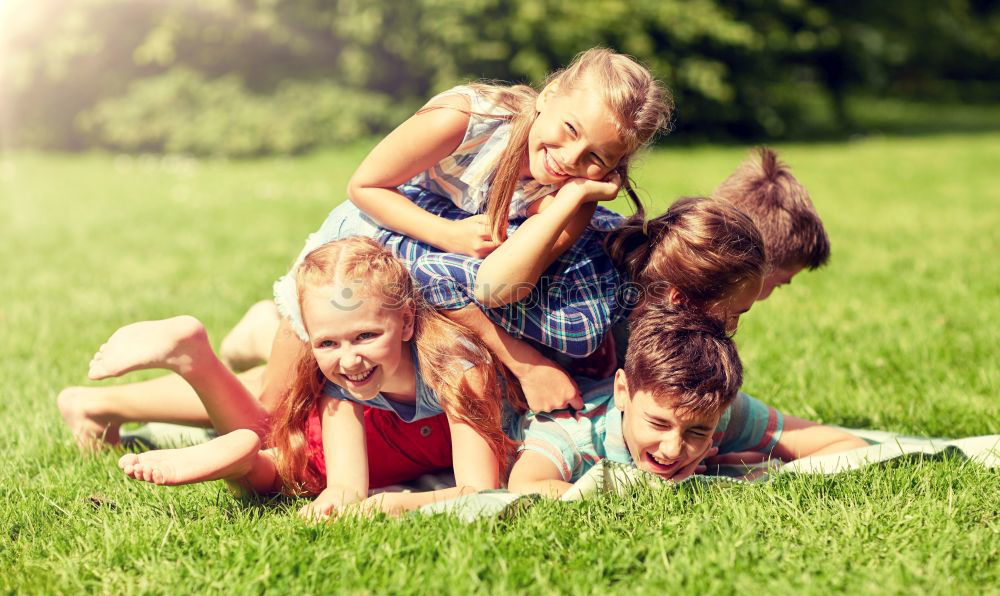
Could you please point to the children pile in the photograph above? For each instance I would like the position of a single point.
(473, 307)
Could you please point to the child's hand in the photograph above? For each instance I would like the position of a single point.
(548, 387)
(326, 505)
(387, 503)
(471, 237)
(591, 191)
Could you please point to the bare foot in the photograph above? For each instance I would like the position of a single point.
(174, 344)
(249, 343)
(90, 422)
(227, 457)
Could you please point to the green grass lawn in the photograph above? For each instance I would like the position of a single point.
(900, 332)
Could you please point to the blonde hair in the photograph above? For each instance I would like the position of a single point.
(704, 248)
(440, 346)
(640, 105)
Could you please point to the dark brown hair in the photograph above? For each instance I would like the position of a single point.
(683, 356)
(702, 247)
(765, 189)
(440, 345)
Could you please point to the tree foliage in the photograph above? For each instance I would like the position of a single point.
(247, 77)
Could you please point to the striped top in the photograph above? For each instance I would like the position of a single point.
(575, 441)
(465, 176)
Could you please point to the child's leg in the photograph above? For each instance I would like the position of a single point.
(95, 414)
(249, 343)
(181, 345)
(235, 457)
(546, 386)
(278, 375)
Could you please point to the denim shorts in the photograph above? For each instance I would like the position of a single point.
(345, 220)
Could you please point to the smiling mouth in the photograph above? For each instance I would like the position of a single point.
(551, 167)
(661, 467)
(360, 378)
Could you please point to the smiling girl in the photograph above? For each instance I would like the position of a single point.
(371, 342)
(480, 159)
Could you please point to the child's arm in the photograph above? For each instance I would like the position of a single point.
(476, 466)
(804, 438)
(535, 473)
(414, 146)
(754, 431)
(511, 271)
(573, 323)
(346, 457)
(546, 386)
(476, 469)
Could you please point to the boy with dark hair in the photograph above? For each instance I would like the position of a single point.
(676, 402)
(794, 238)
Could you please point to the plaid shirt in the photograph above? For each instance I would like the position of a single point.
(575, 301)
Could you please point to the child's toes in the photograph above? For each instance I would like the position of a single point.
(127, 461)
(95, 371)
(145, 472)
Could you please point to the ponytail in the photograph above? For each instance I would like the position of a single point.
(631, 245)
(508, 167)
(702, 247)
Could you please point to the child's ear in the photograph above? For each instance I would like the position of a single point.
(622, 394)
(676, 297)
(409, 319)
(546, 95)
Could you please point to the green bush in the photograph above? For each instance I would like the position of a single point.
(182, 112)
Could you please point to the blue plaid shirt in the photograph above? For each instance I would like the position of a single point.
(576, 300)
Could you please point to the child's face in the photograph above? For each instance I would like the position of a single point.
(359, 342)
(779, 276)
(736, 303)
(574, 136)
(661, 439)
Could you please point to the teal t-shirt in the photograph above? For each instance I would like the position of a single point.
(574, 441)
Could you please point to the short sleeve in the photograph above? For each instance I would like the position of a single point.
(748, 425)
(545, 436)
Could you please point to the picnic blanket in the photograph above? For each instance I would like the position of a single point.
(609, 477)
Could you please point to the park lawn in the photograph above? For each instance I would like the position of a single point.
(899, 332)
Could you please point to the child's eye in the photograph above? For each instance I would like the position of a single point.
(326, 343)
(367, 335)
(571, 129)
(597, 159)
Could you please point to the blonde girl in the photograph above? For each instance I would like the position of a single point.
(372, 342)
(481, 160)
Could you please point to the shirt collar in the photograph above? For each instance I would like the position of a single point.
(615, 448)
